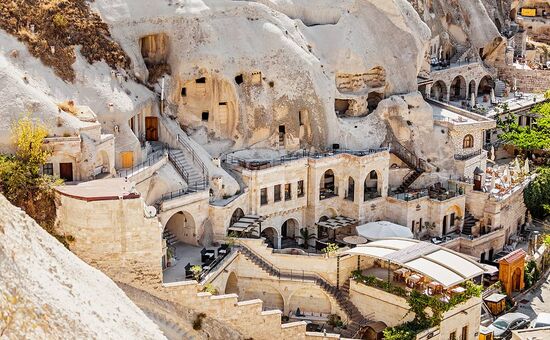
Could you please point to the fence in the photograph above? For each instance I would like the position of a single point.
(151, 159)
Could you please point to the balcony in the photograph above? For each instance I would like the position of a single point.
(465, 157)
(327, 193)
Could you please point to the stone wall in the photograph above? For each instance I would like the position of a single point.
(532, 81)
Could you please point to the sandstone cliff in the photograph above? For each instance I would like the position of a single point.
(49, 293)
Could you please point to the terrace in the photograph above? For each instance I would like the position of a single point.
(438, 191)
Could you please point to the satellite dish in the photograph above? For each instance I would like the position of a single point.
(150, 211)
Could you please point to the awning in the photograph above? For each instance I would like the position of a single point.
(438, 263)
(247, 223)
(383, 230)
(337, 222)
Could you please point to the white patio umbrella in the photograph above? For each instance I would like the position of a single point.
(493, 99)
(526, 166)
(383, 229)
(492, 153)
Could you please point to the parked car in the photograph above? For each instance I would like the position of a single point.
(503, 326)
(542, 320)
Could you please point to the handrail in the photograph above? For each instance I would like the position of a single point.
(195, 157)
(179, 168)
(151, 159)
(198, 186)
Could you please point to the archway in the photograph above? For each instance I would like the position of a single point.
(468, 142)
(303, 298)
(458, 88)
(486, 84)
(439, 91)
(290, 228)
(372, 186)
(271, 236)
(105, 164)
(237, 214)
(181, 225)
(327, 187)
(232, 285)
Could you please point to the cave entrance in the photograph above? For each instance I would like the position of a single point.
(373, 99)
(341, 106)
(154, 51)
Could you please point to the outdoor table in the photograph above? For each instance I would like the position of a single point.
(457, 290)
(400, 274)
(414, 280)
(353, 240)
(434, 288)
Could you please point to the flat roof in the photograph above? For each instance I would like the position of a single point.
(100, 190)
(438, 263)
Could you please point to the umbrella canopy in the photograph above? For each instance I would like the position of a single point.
(383, 229)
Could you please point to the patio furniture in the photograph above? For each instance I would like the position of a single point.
(207, 256)
(354, 240)
(224, 249)
(457, 290)
(434, 288)
(401, 274)
(188, 272)
(415, 280)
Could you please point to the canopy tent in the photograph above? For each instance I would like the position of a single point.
(247, 223)
(382, 230)
(438, 263)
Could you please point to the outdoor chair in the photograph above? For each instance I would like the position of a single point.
(207, 255)
(224, 249)
(188, 272)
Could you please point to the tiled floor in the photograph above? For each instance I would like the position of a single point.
(185, 254)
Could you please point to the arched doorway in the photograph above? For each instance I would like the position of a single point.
(516, 280)
(289, 230)
(237, 214)
(105, 164)
(181, 225)
(486, 84)
(458, 88)
(327, 187)
(372, 186)
(271, 237)
(232, 285)
(439, 91)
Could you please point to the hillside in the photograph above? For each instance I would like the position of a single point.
(49, 293)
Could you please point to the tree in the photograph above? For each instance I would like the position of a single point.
(536, 195)
(20, 179)
(526, 138)
(306, 236)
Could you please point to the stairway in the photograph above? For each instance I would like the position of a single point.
(170, 238)
(469, 223)
(408, 180)
(500, 86)
(192, 175)
(356, 319)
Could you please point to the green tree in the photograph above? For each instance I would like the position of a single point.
(20, 179)
(526, 138)
(306, 236)
(536, 195)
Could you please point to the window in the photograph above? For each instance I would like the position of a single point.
(300, 188)
(183, 91)
(205, 116)
(288, 192)
(200, 80)
(452, 336)
(468, 142)
(47, 169)
(263, 196)
(464, 335)
(453, 219)
(300, 118)
(277, 193)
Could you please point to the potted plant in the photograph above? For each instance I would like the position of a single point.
(330, 249)
(305, 236)
(196, 270)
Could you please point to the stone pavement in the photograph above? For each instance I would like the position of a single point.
(536, 300)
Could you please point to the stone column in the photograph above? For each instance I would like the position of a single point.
(278, 242)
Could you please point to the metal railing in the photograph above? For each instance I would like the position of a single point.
(269, 163)
(407, 156)
(151, 159)
(465, 157)
(178, 166)
(196, 187)
(194, 156)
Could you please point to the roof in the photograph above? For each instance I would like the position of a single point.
(495, 298)
(542, 333)
(438, 263)
(100, 190)
(337, 222)
(513, 256)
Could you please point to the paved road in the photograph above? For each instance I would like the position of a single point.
(537, 300)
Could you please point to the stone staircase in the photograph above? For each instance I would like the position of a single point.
(408, 180)
(170, 238)
(469, 223)
(356, 319)
(500, 86)
(192, 174)
(417, 165)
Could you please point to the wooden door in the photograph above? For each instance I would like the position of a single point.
(151, 129)
(127, 159)
(66, 171)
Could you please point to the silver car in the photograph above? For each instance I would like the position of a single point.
(502, 327)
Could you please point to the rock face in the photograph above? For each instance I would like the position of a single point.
(275, 73)
(49, 293)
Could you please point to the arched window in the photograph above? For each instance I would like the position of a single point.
(327, 186)
(468, 142)
(371, 189)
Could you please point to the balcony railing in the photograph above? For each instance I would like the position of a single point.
(470, 155)
(327, 193)
(370, 195)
